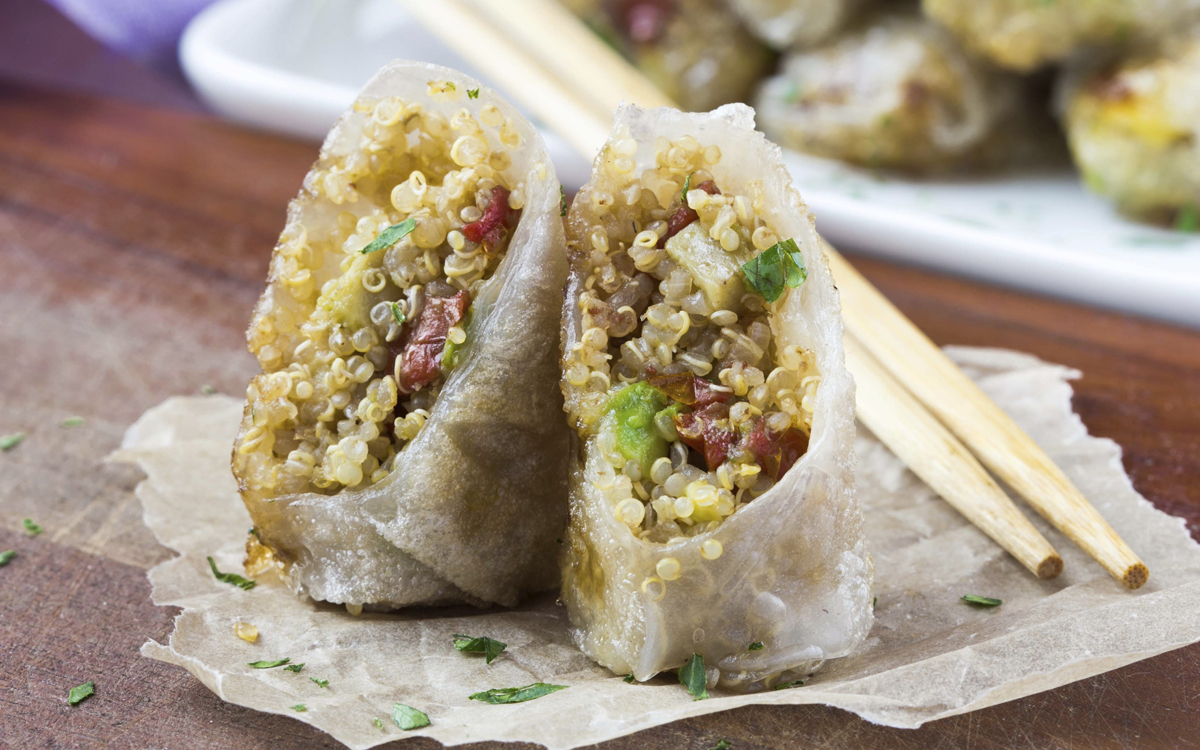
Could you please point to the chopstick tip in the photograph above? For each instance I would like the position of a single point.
(1136, 575)
(1050, 568)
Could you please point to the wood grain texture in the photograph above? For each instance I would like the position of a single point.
(134, 242)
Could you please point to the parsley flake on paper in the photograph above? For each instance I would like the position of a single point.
(472, 93)
(8, 442)
(233, 579)
(409, 718)
(320, 683)
(982, 601)
(489, 647)
(294, 667)
(497, 696)
(299, 708)
(6, 557)
(263, 664)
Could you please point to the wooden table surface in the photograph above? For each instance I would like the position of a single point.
(133, 243)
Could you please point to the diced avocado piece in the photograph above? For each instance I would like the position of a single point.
(452, 352)
(716, 272)
(632, 410)
(348, 302)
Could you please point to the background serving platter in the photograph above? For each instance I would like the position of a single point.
(293, 66)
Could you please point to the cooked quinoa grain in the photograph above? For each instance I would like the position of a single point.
(380, 304)
(688, 407)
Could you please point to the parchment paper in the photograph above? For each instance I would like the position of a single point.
(929, 655)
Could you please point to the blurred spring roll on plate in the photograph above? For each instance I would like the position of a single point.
(1134, 129)
(788, 23)
(403, 444)
(895, 92)
(712, 478)
(695, 51)
(1026, 34)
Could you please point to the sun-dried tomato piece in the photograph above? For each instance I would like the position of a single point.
(679, 386)
(684, 215)
(709, 432)
(491, 228)
(423, 352)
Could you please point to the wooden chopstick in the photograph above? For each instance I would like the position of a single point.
(565, 110)
(918, 364)
(869, 316)
(943, 463)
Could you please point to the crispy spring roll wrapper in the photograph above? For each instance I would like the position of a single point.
(794, 573)
(470, 508)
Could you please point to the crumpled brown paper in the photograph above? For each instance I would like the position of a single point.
(928, 656)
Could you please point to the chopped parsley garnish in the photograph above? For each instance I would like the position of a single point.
(391, 236)
(31, 527)
(775, 269)
(786, 685)
(397, 314)
(472, 93)
(299, 708)
(687, 185)
(489, 647)
(320, 683)
(407, 717)
(498, 696)
(6, 557)
(81, 692)
(562, 198)
(8, 442)
(231, 578)
(207, 390)
(693, 677)
(260, 664)
(982, 601)
(377, 722)
(756, 646)
(721, 745)
(1188, 219)
(71, 422)
(874, 602)
(294, 667)
(628, 678)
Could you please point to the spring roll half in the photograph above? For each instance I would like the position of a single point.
(1134, 129)
(713, 509)
(897, 92)
(403, 444)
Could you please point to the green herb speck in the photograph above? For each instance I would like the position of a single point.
(81, 692)
(1188, 219)
(299, 708)
(786, 685)
(775, 269)
(294, 667)
(71, 422)
(207, 390)
(497, 696)
(982, 601)
(472, 93)
(263, 664)
(320, 683)
(31, 527)
(756, 646)
(391, 236)
(8, 442)
(6, 557)
(694, 678)
(377, 722)
(489, 647)
(234, 579)
(721, 745)
(407, 717)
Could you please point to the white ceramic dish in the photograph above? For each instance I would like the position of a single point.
(293, 66)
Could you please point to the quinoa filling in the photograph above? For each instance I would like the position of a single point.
(381, 300)
(688, 405)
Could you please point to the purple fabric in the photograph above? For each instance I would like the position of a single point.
(148, 30)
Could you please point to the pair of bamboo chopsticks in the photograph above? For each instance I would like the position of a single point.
(572, 81)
